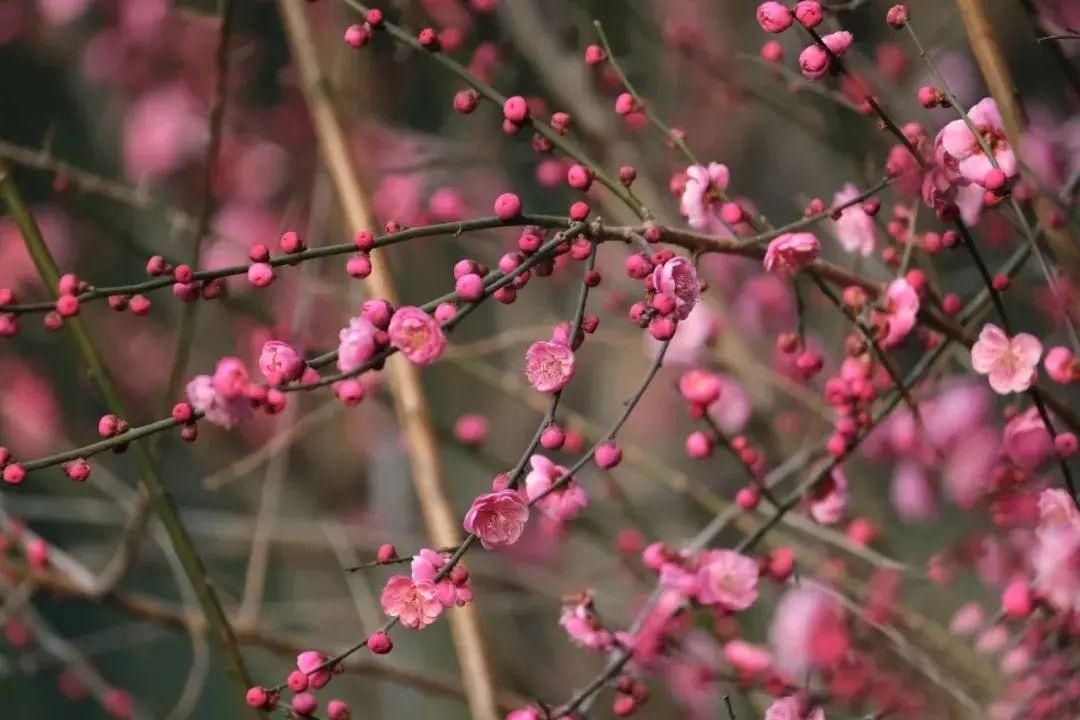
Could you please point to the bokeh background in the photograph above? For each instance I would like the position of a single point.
(103, 116)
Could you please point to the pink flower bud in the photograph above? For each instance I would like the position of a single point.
(516, 110)
(814, 62)
(507, 206)
(773, 17)
(808, 12)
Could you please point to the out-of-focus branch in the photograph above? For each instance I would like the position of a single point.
(160, 499)
(409, 401)
(1003, 89)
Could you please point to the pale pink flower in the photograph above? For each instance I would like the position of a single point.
(747, 658)
(789, 253)
(829, 500)
(967, 619)
(678, 278)
(563, 504)
(808, 630)
(733, 413)
(426, 566)
(854, 228)
(218, 409)
(60, 12)
(356, 344)
(415, 604)
(911, 493)
(700, 202)
(417, 335)
(549, 366)
(1011, 363)
(163, 129)
(497, 518)
(962, 145)
(525, 713)
(727, 579)
(1057, 508)
(691, 337)
(280, 360)
(582, 624)
(968, 466)
(1056, 562)
(1026, 441)
(793, 707)
(901, 309)
(230, 377)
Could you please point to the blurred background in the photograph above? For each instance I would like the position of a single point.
(103, 118)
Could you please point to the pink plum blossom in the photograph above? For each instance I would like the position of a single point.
(415, 604)
(562, 504)
(549, 366)
(727, 579)
(901, 310)
(1010, 363)
(700, 201)
(829, 500)
(417, 335)
(497, 518)
(747, 658)
(854, 228)
(677, 278)
(217, 408)
(789, 253)
(309, 662)
(962, 145)
(280, 360)
(808, 630)
(1026, 440)
(793, 707)
(426, 566)
(357, 344)
(582, 624)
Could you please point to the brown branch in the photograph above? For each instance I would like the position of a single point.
(409, 401)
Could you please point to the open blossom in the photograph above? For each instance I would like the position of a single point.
(728, 579)
(417, 335)
(808, 630)
(963, 146)
(549, 366)
(582, 624)
(829, 500)
(1056, 562)
(230, 378)
(451, 590)
(700, 202)
(562, 504)
(415, 604)
(1011, 363)
(747, 658)
(357, 344)
(793, 707)
(497, 518)
(791, 252)
(1057, 508)
(854, 228)
(678, 279)
(280, 360)
(901, 311)
(218, 409)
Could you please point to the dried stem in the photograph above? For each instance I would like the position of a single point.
(410, 404)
